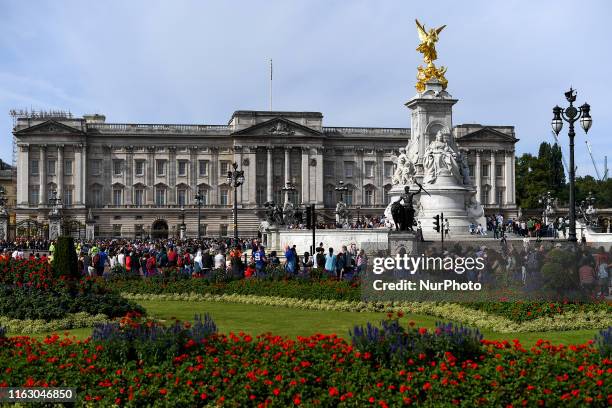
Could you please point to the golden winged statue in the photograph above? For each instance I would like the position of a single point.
(427, 47)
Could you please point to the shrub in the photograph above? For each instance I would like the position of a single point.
(135, 339)
(2, 332)
(393, 344)
(65, 259)
(604, 342)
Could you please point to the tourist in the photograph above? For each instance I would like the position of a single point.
(320, 258)
(290, 260)
(362, 262)
(306, 264)
(586, 272)
(340, 262)
(220, 260)
(330, 263)
(259, 257)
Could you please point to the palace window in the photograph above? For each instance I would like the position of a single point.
(68, 167)
(181, 197)
(203, 168)
(261, 167)
(224, 168)
(140, 166)
(160, 196)
(182, 168)
(369, 197)
(386, 196)
(348, 169)
(51, 167)
(369, 169)
(223, 230)
(500, 196)
(67, 196)
(139, 197)
(485, 170)
(278, 167)
(329, 197)
(160, 167)
(224, 196)
(34, 196)
(348, 196)
(328, 168)
(117, 167)
(388, 169)
(261, 195)
(117, 197)
(499, 172)
(34, 167)
(116, 230)
(96, 167)
(96, 197)
(204, 194)
(471, 167)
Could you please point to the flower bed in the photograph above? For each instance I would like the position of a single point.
(448, 311)
(290, 288)
(320, 370)
(69, 321)
(328, 289)
(35, 297)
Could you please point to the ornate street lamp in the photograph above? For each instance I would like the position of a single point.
(54, 201)
(199, 200)
(341, 189)
(182, 227)
(235, 179)
(571, 114)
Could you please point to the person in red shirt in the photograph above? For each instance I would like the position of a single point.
(249, 271)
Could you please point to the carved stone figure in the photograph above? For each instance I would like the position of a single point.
(465, 169)
(441, 160)
(288, 213)
(474, 209)
(403, 214)
(341, 213)
(405, 170)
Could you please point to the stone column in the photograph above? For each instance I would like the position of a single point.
(23, 175)
(129, 175)
(150, 176)
(512, 178)
(238, 160)
(477, 177)
(171, 176)
(78, 174)
(318, 179)
(287, 164)
(42, 170)
(378, 195)
(359, 177)
(269, 175)
(508, 176)
(60, 172)
(214, 176)
(492, 172)
(251, 174)
(84, 175)
(305, 176)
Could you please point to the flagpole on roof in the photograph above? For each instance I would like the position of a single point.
(270, 84)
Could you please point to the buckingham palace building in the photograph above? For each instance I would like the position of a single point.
(140, 180)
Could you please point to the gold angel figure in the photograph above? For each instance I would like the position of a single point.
(427, 47)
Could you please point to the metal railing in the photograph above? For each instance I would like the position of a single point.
(144, 127)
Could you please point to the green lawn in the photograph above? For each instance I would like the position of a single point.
(257, 319)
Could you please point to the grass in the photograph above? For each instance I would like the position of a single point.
(257, 319)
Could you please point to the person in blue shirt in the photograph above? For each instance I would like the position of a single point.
(291, 260)
(330, 262)
(259, 257)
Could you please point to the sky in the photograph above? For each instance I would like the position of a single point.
(509, 62)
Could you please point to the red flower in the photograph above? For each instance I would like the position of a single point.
(163, 391)
(426, 386)
(333, 391)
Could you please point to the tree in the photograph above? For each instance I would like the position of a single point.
(65, 259)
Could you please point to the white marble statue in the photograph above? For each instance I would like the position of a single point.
(404, 171)
(475, 211)
(441, 160)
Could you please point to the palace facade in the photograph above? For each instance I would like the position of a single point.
(139, 180)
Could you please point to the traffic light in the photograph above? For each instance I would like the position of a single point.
(437, 223)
